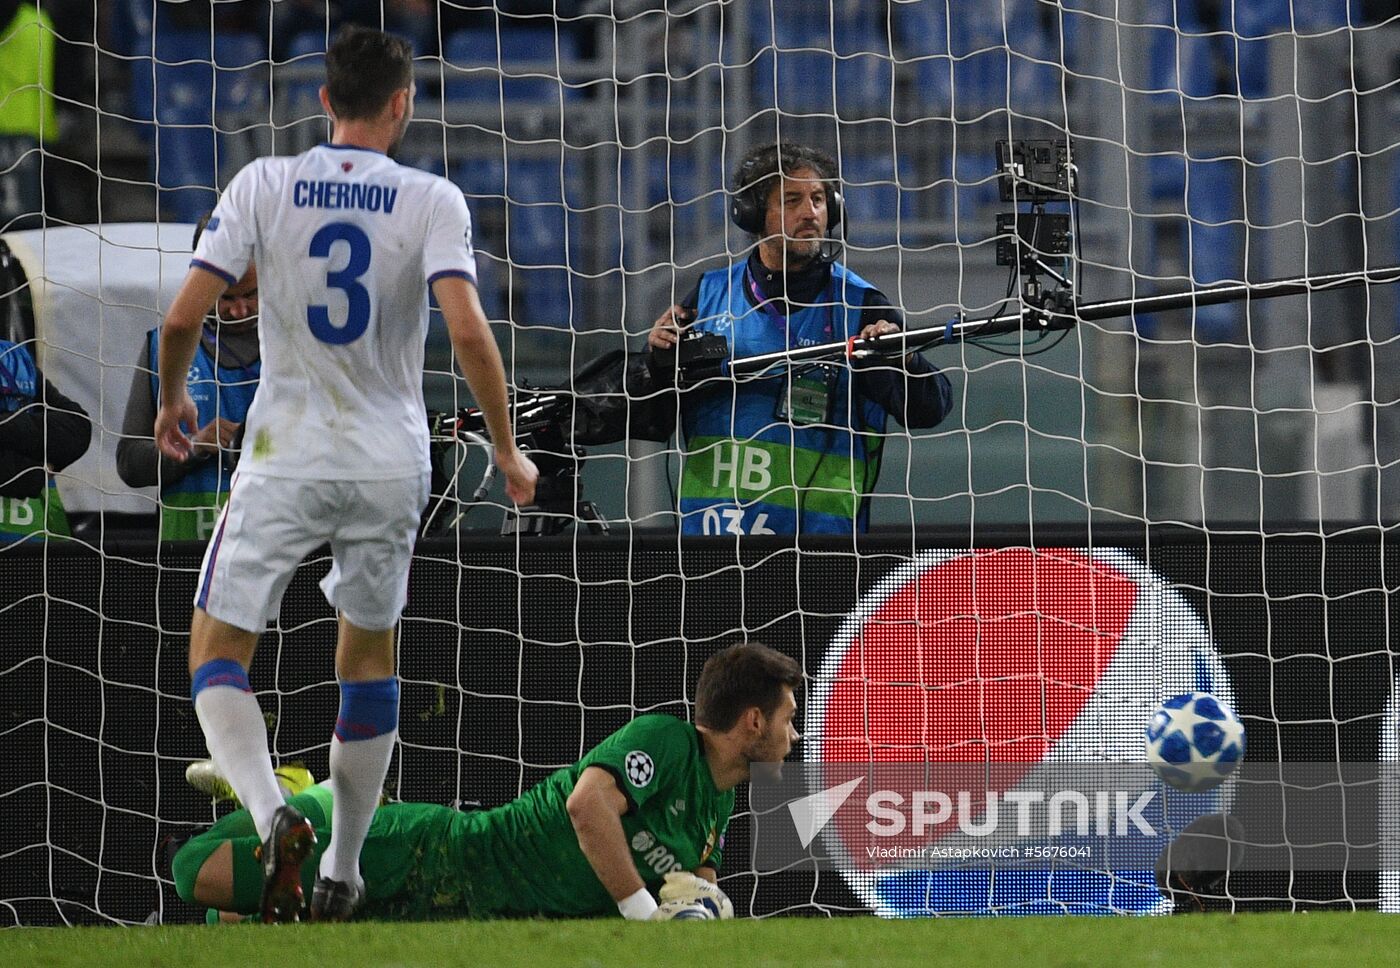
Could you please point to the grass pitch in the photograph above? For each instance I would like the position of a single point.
(1216, 941)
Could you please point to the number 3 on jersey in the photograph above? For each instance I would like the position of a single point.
(318, 317)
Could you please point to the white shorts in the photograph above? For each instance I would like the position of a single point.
(271, 523)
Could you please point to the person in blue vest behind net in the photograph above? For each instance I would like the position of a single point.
(223, 379)
(41, 431)
(798, 453)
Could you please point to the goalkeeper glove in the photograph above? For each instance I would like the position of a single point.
(685, 886)
(682, 911)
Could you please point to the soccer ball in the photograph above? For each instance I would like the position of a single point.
(682, 911)
(1194, 741)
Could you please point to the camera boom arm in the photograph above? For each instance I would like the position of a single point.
(1054, 313)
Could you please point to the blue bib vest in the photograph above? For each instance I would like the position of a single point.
(189, 507)
(744, 470)
(34, 517)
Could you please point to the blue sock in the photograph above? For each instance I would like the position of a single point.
(219, 672)
(367, 709)
(360, 754)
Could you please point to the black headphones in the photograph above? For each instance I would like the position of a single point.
(748, 206)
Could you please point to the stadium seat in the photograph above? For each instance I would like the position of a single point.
(185, 171)
(1190, 56)
(921, 44)
(480, 176)
(708, 183)
(1261, 18)
(490, 286)
(872, 185)
(183, 155)
(825, 61)
(1036, 61)
(1167, 47)
(482, 180)
(1214, 204)
(696, 188)
(1255, 21)
(528, 60)
(130, 27)
(136, 40)
(240, 77)
(1317, 16)
(130, 37)
(670, 177)
(184, 76)
(978, 196)
(1269, 18)
(1168, 176)
(539, 225)
(307, 52)
(673, 203)
(536, 227)
(423, 158)
(980, 64)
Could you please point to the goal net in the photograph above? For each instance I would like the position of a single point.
(1115, 509)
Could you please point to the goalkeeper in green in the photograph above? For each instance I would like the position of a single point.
(652, 799)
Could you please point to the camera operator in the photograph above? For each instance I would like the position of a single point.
(41, 431)
(224, 378)
(799, 452)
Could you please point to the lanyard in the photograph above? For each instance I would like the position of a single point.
(768, 308)
(764, 304)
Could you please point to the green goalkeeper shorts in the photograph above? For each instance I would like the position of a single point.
(412, 861)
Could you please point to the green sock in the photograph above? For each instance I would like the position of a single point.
(315, 804)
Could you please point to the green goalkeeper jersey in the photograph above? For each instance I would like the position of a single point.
(524, 857)
(423, 861)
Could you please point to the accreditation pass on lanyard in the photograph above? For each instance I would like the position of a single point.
(808, 391)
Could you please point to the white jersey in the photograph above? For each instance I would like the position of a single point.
(346, 242)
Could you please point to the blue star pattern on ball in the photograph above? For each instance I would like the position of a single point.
(1194, 741)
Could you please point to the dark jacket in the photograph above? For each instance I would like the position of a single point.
(139, 461)
(620, 398)
(48, 432)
